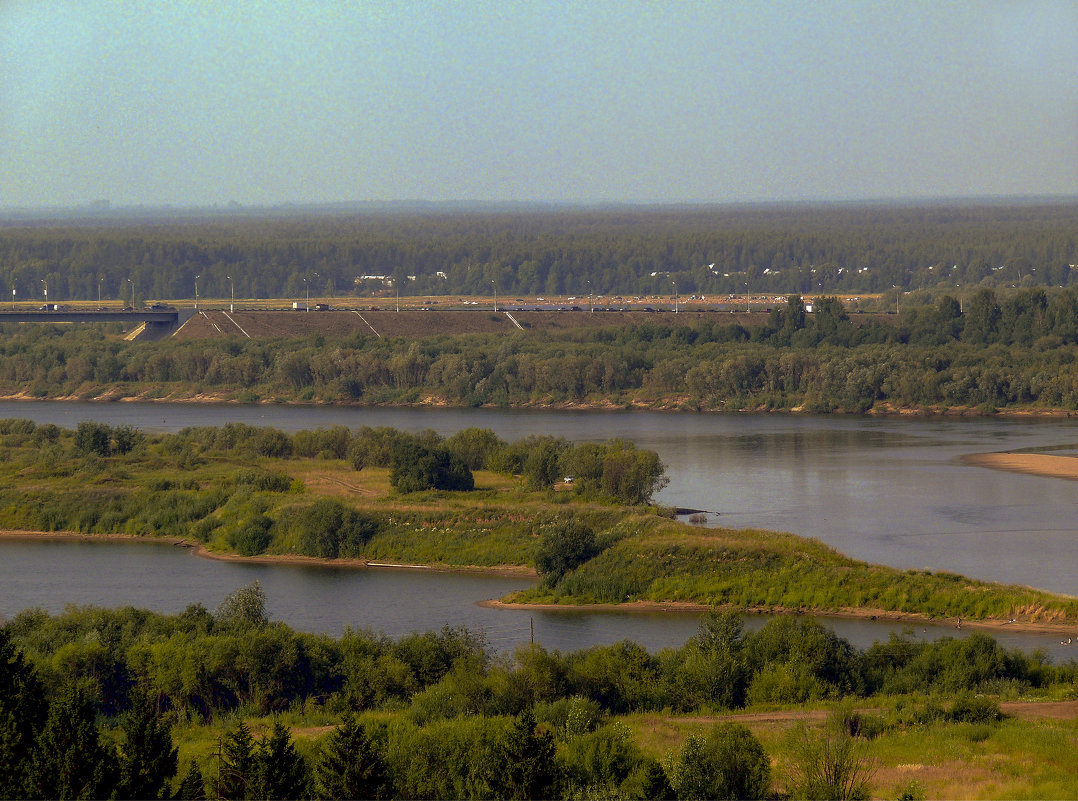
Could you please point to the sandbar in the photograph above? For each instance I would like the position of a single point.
(1037, 464)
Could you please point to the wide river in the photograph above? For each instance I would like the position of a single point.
(885, 490)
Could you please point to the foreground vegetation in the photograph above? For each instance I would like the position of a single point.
(229, 704)
(471, 500)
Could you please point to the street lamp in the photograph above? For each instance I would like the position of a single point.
(13, 297)
(99, 280)
(196, 291)
(132, 292)
(675, 296)
(493, 284)
(307, 286)
(46, 285)
(591, 299)
(898, 294)
(232, 305)
(397, 289)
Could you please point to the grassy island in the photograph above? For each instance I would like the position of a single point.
(372, 496)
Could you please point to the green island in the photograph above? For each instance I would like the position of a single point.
(471, 501)
(229, 704)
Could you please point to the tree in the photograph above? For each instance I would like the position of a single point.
(475, 446)
(351, 765)
(418, 467)
(280, 772)
(729, 763)
(238, 764)
(93, 438)
(70, 760)
(246, 607)
(22, 714)
(147, 755)
(193, 785)
(564, 546)
(528, 761)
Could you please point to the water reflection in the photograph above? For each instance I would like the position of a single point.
(884, 490)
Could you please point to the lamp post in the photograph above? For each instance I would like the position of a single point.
(591, 298)
(675, 296)
(898, 294)
(307, 286)
(397, 289)
(748, 307)
(132, 292)
(196, 291)
(13, 297)
(99, 280)
(495, 285)
(232, 304)
(45, 284)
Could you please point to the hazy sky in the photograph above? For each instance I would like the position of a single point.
(196, 103)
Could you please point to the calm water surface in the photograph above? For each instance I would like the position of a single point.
(891, 491)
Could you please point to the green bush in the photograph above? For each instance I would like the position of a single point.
(417, 467)
(729, 763)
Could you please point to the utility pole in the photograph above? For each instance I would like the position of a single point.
(232, 305)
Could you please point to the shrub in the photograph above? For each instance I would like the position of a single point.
(728, 763)
(330, 530)
(833, 764)
(563, 547)
(418, 467)
(975, 709)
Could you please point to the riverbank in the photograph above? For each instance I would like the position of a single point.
(672, 404)
(866, 614)
(1037, 464)
(199, 549)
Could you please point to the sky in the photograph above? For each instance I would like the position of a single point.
(163, 102)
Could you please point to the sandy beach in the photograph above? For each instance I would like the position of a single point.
(1037, 464)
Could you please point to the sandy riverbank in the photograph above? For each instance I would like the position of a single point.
(1037, 464)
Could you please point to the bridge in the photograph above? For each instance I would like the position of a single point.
(159, 321)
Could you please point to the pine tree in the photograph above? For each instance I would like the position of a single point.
(351, 765)
(280, 771)
(193, 786)
(237, 769)
(22, 714)
(70, 761)
(147, 756)
(528, 755)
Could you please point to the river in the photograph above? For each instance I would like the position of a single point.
(885, 490)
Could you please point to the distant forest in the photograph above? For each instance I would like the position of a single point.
(539, 251)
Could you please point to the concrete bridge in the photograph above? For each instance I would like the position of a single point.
(159, 322)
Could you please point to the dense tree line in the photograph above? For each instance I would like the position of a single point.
(986, 352)
(714, 251)
(89, 699)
